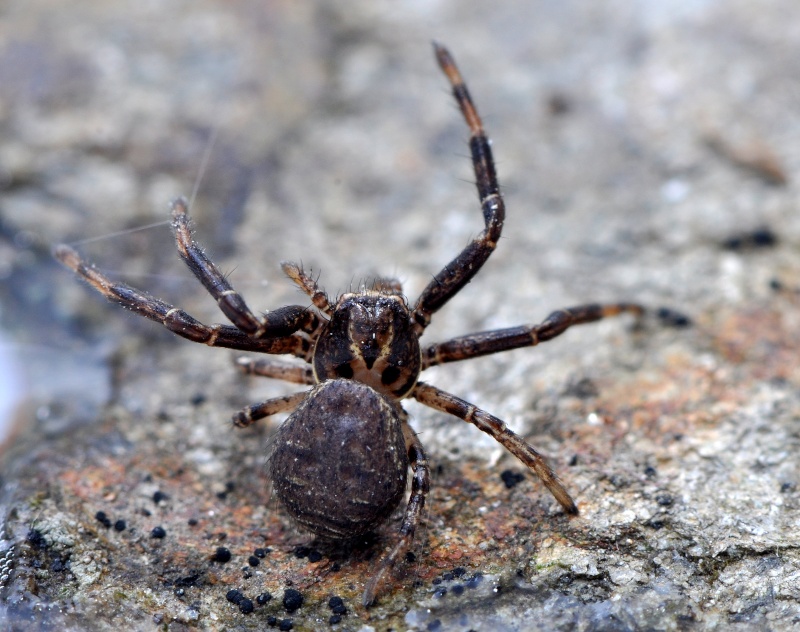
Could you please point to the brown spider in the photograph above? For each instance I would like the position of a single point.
(340, 461)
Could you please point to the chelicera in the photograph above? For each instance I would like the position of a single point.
(340, 462)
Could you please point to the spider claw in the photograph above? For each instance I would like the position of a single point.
(179, 207)
(67, 256)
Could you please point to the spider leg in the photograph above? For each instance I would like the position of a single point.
(277, 369)
(177, 320)
(308, 285)
(420, 484)
(280, 322)
(251, 414)
(460, 270)
(495, 341)
(497, 429)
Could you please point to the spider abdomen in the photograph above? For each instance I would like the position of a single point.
(339, 466)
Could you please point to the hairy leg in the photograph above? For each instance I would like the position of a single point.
(497, 429)
(488, 342)
(280, 322)
(460, 270)
(174, 319)
(420, 485)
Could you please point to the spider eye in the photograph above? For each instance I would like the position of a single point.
(390, 374)
(344, 370)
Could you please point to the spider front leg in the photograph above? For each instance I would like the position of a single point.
(495, 341)
(277, 323)
(497, 429)
(177, 320)
(460, 270)
(420, 485)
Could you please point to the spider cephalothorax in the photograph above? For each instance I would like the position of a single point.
(339, 464)
(370, 339)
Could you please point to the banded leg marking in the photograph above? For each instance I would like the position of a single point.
(497, 429)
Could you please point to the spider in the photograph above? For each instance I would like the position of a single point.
(339, 463)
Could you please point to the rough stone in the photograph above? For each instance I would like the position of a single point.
(644, 150)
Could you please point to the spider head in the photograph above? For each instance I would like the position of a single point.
(369, 338)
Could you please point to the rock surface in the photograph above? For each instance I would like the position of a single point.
(648, 152)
